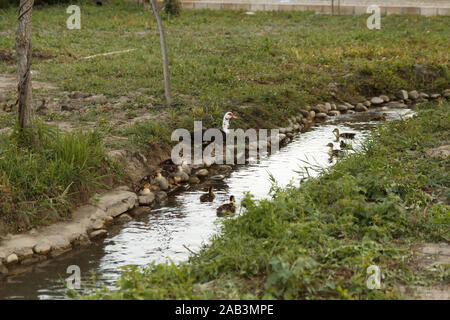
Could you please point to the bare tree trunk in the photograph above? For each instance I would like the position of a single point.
(23, 49)
(162, 39)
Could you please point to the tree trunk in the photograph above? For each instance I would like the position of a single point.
(162, 39)
(23, 49)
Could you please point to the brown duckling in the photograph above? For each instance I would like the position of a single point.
(162, 182)
(383, 117)
(343, 145)
(226, 208)
(208, 197)
(346, 135)
(145, 189)
(335, 152)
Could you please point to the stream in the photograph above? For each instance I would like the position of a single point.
(184, 222)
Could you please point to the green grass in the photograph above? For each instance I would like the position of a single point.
(39, 187)
(273, 63)
(373, 207)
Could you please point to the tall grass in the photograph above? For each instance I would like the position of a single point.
(44, 183)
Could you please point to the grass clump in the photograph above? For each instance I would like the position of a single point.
(40, 186)
(374, 207)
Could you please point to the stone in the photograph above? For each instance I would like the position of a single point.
(299, 118)
(140, 211)
(413, 95)
(341, 108)
(117, 202)
(327, 106)
(351, 111)
(42, 248)
(12, 258)
(97, 224)
(98, 234)
(360, 107)
(333, 106)
(376, 100)
(208, 162)
(76, 95)
(24, 252)
(349, 106)
(312, 114)
(217, 177)
(435, 96)
(124, 218)
(423, 95)
(146, 199)
(321, 115)
(402, 94)
(385, 98)
(442, 151)
(194, 180)
(97, 99)
(3, 269)
(282, 136)
(367, 104)
(161, 197)
(396, 104)
(304, 113)
(307, 108)
(333, 113)
(202, 173)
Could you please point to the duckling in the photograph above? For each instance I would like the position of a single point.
(145, 189)
(343, 145)
(186, 167)
(180, 175)
(346, 135)
(383, 117)
(208, 197)
(162, 182)
(333, 152)
(226, 208)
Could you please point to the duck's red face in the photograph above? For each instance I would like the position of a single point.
(230, 114)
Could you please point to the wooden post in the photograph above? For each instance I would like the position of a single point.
(162, 39)
(23, 50)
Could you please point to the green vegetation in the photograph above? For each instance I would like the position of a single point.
(38, 187)
(373, 207)
(262, 67)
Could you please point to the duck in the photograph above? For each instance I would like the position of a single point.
(346, 135)
(226, 208)
(162, 182)
(225, 129)
(335, 152)
(180, 175)
(145, 189)
(383, 117)
(208, 197)
(343, 145)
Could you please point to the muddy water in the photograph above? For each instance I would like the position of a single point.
(185, 223)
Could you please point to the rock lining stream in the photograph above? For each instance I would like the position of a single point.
(184, 224)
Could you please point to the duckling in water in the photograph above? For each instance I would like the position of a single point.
(208, 197)
(343, 145)
(383, 117)
(333, 152)
(162, 182)
(226, 208)
(346, 135)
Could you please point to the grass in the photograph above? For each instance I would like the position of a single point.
(38, 187)
(374, 207)
(262, 67)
